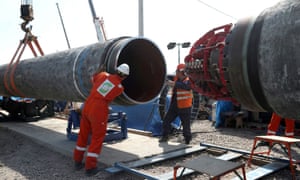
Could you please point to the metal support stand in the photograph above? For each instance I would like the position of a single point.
(119, 118)
(271, 140)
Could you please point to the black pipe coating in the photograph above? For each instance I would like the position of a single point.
(264, 60)
(67, 75)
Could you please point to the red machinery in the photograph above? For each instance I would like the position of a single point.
(205, 64)
(255, 62)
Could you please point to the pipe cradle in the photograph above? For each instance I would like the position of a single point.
(67, 75)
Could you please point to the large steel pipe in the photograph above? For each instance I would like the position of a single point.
(264, 60)
(67, 75)
(255, 62)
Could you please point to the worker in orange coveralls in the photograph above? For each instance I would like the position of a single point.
(275, 122)
(94, 117)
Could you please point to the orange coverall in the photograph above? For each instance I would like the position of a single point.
(275, 122)
(94, 117)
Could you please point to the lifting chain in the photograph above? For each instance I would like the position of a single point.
(27, 16)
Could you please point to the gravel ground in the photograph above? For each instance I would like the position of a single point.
(21, 158)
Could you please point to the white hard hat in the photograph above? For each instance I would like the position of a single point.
(123, 68)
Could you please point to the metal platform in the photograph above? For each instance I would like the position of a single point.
(265, 170)
(213, 167)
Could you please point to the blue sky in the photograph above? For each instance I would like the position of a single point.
(164, 21)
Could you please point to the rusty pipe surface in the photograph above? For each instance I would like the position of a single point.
(255, 62)
(67, 75)
(264, 51)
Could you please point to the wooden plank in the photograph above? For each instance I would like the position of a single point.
(157, 158)
(227, 156)
(264, 170)
(278, 139)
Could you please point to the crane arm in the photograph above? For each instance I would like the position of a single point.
(98, 23)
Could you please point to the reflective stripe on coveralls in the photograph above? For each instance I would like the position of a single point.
(92, 155)
(80, 148)
(94, 116)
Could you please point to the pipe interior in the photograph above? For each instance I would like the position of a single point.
(147, 70)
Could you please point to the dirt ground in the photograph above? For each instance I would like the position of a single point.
(21, 158)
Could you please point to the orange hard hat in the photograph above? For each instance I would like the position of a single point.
(180, 67)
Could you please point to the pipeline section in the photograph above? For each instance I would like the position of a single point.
(255, 62)
(67, 75)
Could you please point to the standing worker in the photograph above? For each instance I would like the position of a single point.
(94, 117)
(181, 105)
(275, 122)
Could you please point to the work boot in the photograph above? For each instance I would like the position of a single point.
(92, 172)
(78, 165)
(164, 139)
(187, 140)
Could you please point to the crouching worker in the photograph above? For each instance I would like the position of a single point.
(273, 126)
(106, 87)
